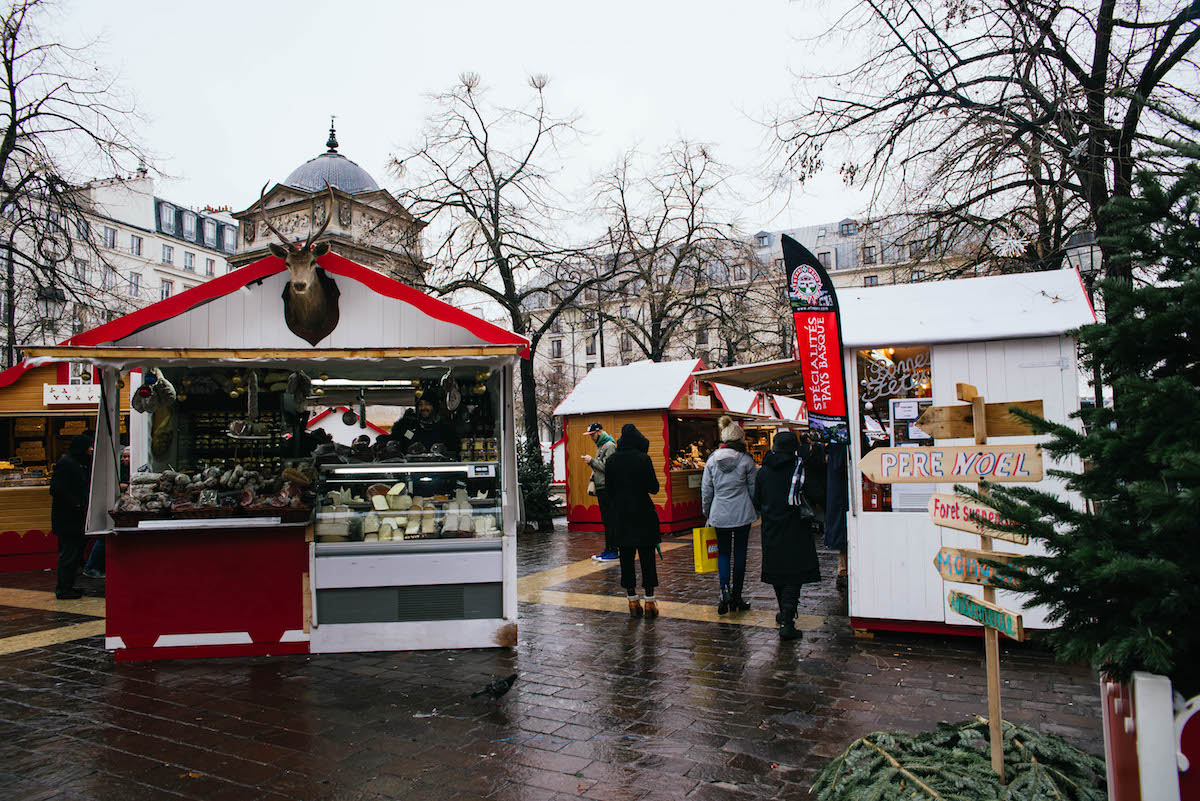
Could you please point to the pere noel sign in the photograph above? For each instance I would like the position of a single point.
(967, 463)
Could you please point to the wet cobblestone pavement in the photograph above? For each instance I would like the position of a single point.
(606, 708)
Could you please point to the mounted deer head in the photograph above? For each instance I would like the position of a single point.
(310, 298)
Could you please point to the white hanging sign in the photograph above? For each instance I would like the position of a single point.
(70, 394)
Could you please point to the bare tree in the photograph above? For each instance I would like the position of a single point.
(1017, 120)
(482, 182)
(60, 115)
(680, 265)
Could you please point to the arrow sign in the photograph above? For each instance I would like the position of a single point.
(1002, 464)
(957, 512)
(990, 615)
(949, 422)
(965, 565)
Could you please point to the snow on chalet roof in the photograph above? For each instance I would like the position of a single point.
(736, 399)
(641, 385)
(790, 408)
(965, 310)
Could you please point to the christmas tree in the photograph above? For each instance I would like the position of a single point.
(534, 476)
(1122, 573)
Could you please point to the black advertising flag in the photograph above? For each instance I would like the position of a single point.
(818, 340)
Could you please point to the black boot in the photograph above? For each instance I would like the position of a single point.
(788, 630)
(723, 606)
(739, 604)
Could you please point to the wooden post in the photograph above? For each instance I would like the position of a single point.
(991, 637)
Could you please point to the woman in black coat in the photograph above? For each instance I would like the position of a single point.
(631, 481)
(789, 555)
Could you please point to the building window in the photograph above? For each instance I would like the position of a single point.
(779, 264)
(80, 270)
(869, 254)
(189, 226)
(556, 349)
(231, 239)
(210, 233)
(590, 365)
(918, 275)
(189, 261)
(591, 345)
(166, 218)
(110, 237)
(589, 320)
(168, 255)
(210, 266)
(871, 280)
(626, 343)
(916, 249)
(846, 228)
(624, 312)
(824, 259)
(167, 288)
(556, 326)
(702, 336)
(762, 240)
(739, 272)
(110, 278)
(135, 284)
(81, 228)
(135, 244)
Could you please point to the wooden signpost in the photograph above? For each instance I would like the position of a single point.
(964, 514)
(966, 566)
(951, 422)
(969, 464)
(958, 463)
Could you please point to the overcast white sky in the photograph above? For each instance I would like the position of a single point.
(237, 93)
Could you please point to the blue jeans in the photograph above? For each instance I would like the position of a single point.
(735, 540)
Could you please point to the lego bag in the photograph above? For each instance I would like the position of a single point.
(704, 549)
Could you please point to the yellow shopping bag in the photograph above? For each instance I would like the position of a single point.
(704, 549)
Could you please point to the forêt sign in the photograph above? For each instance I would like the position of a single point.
(990, 615)
(968, 463)
(963, 514)
(966, 566)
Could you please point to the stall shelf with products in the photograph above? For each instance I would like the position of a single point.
(906, 347)
(675, 412)
(271, 518)
(41, 408)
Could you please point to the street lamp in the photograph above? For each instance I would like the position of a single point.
(1085, 257)
(49, 300)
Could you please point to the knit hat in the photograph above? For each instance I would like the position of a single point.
(730, 431)
(786, 443)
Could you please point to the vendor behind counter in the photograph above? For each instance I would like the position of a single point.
(427, 427)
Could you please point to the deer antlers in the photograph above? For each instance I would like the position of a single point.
(308, 242)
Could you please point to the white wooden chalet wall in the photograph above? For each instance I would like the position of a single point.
(252, 317)
(892, 574)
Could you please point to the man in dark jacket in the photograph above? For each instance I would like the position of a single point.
(69, 488)
(631, 482)
(426, 428)
(605, 447)
(789, 555)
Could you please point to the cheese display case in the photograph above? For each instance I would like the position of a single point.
(367, 503)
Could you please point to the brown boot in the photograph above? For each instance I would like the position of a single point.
(651, 608)
(635, 606)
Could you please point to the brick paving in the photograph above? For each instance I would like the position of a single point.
(606, 708)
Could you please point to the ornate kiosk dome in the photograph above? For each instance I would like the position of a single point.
(331, 166)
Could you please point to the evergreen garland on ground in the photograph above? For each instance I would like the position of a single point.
(534, 476)
(1120, 577)
(954, 763)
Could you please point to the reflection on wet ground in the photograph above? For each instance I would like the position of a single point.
(606, 708)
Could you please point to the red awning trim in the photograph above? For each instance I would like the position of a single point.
(272, 265)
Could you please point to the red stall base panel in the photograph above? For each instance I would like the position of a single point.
(175, 594)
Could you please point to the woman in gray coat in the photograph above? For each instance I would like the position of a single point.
(727, 491)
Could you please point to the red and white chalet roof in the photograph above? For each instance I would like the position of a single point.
(244, 309)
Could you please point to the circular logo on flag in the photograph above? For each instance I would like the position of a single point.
(806, 285)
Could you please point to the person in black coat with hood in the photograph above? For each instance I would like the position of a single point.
(631, 481)
(69, 489)
(789, 555)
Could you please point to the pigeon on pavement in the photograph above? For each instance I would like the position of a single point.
(496, 688)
